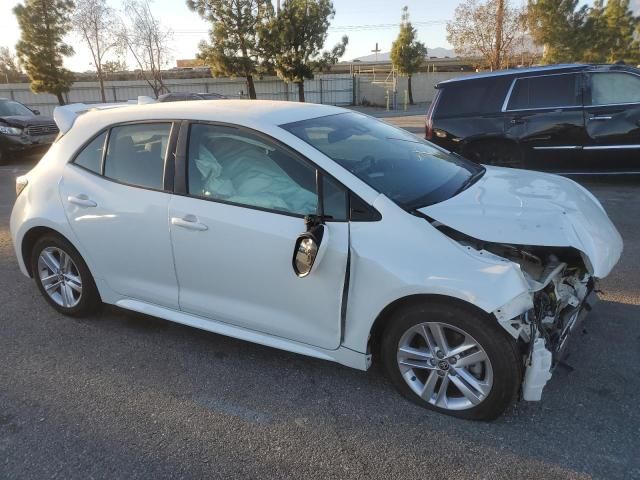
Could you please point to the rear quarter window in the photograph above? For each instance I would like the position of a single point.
(472, 97)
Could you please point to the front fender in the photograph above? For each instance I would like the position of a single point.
(387, 266)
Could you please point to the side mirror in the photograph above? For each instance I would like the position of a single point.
(36, 112)
(307, 246)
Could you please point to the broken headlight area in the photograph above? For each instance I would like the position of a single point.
(542, 319)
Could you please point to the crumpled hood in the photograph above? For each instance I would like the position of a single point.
(531, 208)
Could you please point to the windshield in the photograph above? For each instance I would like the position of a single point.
(8, 109)
(410, 171)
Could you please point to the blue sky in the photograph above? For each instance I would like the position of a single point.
(189, 29)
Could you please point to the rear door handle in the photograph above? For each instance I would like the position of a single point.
(82, 201)
(190, 222)
(599, 118)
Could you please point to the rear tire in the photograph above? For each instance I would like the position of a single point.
(475, 376)
(63, 277)
(499, 154)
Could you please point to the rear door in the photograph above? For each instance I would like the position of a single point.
(116, 202)
(545, 114)
(612, 115)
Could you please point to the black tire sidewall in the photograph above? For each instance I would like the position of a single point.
(502, 350)
(90, 299)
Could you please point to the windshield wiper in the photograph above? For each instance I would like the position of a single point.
(473, 178)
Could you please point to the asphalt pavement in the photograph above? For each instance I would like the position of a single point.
(122, 395)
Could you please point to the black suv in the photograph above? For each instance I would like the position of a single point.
(22, 129)
(563, 118)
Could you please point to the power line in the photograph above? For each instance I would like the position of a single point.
(343, 28)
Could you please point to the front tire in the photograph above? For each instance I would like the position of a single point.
(63, 277)
(452, 359)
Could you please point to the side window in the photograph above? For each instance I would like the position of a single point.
(472, 97)
(231, 165)
(546, 92)
(136, 154)
(335, 200)
(91, 156)
(614, 88)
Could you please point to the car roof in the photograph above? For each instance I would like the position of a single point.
(544, 69)
(249, 113)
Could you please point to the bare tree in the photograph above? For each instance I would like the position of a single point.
(489, 30)
(142, 36)
(95, 22)
(10, 69)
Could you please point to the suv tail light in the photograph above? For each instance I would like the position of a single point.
(428, 130)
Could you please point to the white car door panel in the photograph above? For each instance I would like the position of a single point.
(236, 267)
(124, 228)
(126, 234)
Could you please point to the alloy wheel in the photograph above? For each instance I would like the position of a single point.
(60, 277)
(445, 366)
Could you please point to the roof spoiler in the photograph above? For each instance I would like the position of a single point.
(66, 115)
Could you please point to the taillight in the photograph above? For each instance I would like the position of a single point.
(21, 183)
(428, 126)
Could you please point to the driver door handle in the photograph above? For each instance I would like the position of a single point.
(190, 222)
(81, 200)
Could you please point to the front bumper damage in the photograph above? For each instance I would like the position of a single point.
(544, 319)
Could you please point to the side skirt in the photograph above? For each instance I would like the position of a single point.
(342, 355)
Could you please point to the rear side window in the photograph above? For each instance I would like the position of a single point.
(136, 154)
(91, 156)
(546, 92)
(614, 88)
(472, 97)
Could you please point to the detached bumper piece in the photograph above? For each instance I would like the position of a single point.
(546, 351)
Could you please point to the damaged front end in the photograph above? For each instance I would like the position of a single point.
(561, 293)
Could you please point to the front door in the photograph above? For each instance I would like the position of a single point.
(612, 115)
(233, 235)
(545, 114)
(117, 208)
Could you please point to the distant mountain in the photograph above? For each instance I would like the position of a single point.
(437, 52)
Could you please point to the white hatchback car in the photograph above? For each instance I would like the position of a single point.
(320, 231)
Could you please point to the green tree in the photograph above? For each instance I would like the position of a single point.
(9, 67)
(617, 32)
(41, 48)
(293, 40)
(559, 26)
(407, 53)
(233, 48)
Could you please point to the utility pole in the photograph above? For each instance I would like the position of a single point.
(497, 57)
(277, 7)
(376, 51)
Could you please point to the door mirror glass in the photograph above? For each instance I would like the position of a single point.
(306, 250)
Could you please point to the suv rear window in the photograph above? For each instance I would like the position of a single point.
(547, 91)
(472, 97)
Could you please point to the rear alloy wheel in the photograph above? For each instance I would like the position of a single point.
(452, 359)
(499, 154)
(63, 277)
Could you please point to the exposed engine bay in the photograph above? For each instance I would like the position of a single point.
(558, 299)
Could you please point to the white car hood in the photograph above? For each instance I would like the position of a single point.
(531, 208)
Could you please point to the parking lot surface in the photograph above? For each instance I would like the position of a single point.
(122, 395)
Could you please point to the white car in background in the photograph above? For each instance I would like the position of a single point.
(320, 231)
